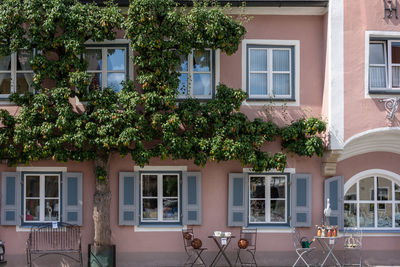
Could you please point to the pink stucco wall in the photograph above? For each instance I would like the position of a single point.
(361, 16)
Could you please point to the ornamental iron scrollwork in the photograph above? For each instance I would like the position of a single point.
(391, 106)
(390, 6)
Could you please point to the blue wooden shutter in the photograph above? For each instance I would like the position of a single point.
(11, 198)
(238, 199)
(334, 191)
(301, 200)
(128, 198)
(72, 198)
(191, 198)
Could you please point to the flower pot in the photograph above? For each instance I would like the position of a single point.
(101, 256)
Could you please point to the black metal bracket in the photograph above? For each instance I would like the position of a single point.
(389, 7)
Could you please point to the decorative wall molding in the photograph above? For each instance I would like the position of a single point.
(329, 162)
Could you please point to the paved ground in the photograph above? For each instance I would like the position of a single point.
(267, 259)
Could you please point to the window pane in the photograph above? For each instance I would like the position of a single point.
(367, 189)
(170, 186)
(281, 84)
(23, 60)
(278, 187)
(201, 60)
(24, 81)
(32, 210)
(114, 81)
(201, 84)
(150, 209)
(5, 83)
(95, 81)
(258, 84)
(384, 187)
(149, 185)
(377, 77)
(32, 187)
(351, 194)
(258, 60)
(397, 191)
(51, 186)
(93, 58)
(367, 215)
(376, 53)
(183, 65)
(170, 209)
(397, 215)
(183, 84)
(5, 63)
(51, 210)
(395, 53)
(280, 60)
(396, 76)
(277, 210)
(257, 187)
(257, 210)
(384, 215)
(116, 59)
(350, 215)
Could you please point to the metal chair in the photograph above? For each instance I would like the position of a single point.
(194, 255)
(251, 236)
(302, 253)
(352, 244)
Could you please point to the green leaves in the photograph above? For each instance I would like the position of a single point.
(145, 119)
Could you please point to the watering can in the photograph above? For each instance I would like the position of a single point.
(305, 243)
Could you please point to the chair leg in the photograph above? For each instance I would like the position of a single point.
(254, 258)
(199, 258)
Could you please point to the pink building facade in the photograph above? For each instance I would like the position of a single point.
(336, 60)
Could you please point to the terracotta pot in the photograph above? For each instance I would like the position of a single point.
(243, 243)
(196, 243)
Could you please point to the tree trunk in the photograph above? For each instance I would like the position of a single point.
(101, 205)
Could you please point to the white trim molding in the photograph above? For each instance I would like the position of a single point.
(336, 74)
(384, 139)
(296, 45)
(291, 11)
(41, 169)
(287, 170)
(160, 168)
(159, 229)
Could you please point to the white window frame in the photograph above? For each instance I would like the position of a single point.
(270, 73)
(42, 197)
(386, 65)
(14, 73)
(267, 198)
(284, 43)
(367, 174)
(190, 72)
(104, 67)
(160, 197)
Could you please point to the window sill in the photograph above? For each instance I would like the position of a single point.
(379, 233)
(384, 92)
(277, 99)
(270, 229)
(159, 228)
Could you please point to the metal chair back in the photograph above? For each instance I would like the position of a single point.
(251, 236)
(187, 242)
(353, 238)
(296, 238)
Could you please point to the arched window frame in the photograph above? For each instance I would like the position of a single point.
(393, 177)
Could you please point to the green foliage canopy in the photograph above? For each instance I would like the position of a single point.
(144, 119)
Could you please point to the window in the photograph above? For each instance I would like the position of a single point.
(268, 199)
(108, 66)
(197, 77)
(16, 74)
(373, 203)
(384, 66)
(160, 201)
(270, 72)
(41, 198)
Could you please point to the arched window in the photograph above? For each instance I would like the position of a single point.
(372, 202)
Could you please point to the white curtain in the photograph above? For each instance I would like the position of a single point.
(23, 59)
(377, 77)
(4, 63)
(395, 76)
(281, 81)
